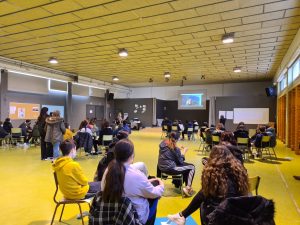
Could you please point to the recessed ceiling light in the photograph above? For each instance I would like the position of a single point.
(167, 74)
(237, 69)
(123, 52)
(53, 60)
(228, 38)
(115, 78)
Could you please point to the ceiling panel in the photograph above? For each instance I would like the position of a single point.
(183, 37)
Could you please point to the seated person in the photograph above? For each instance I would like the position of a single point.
(3, 133)
(195, 126)
(132, 183)
(171, 161)
(189, 133)
(106, 130)
(203, 128)
(219, 129)
(26, 130)
(229, 141)
(73, 184)
(109, 156)
(69, 134)
(85, 128)
(168, 123)
(7, 125)
(241, 132)
(258, 137)
(223, 176)
(126, 127)
(271, 132)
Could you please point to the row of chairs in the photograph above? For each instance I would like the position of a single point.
(192, 131)
(243, 145)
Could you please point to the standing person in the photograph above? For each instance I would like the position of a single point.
(41, 122)
(122, 179)
(7, 125)
(171, 161)
(223, 176)
(55, 129)
(26, 130)
(223, 120)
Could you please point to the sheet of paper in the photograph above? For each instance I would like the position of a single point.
(229, 115)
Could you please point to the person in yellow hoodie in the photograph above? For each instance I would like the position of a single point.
(69, 134)
(73, 184)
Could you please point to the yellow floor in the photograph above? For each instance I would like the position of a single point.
(27, 184)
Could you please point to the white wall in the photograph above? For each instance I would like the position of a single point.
(228, 89)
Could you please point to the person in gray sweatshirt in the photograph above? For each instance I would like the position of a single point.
(55, 129)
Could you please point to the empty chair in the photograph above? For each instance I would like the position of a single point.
(16, 136)
(215, 140)
(243, 145)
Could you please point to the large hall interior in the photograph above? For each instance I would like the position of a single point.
(173, 80)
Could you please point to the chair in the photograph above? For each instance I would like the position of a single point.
(196, 130)
(242, 144)
(203, 143)
(16, 135)
(174, 128)
(66, 202)
(254, 184)
(84, 141)
(179, 177)
(190, 132)
(215, 140)
(106, 139)
(164, 131)
(265, 146)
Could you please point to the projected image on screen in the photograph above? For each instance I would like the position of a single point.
(192, 100)
(52, 108)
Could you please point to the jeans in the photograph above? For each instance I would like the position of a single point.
(56, 149)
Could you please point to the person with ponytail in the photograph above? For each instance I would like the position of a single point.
(122, 179)
(171, 161)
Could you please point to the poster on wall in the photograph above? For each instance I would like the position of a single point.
(19, 111)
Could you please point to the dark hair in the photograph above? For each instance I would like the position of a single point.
(105, 124)
(83, 124)
(114, 180)
(7, 120)
(27, 121)
(227, 136)
(43, 113)
(262, 129)
(66, 147)
(67, 125)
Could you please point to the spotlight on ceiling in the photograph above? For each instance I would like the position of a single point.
(167, 74)
(167, 79)
(53, 60)
(228, 38)
(115, 78)
(184, 78)
(202, 77)
(237, 69)
(123, 52)
(150, 80)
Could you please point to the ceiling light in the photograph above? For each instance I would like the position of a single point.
(237, 69)
(123, 52)
(115, 78)
(228, 38)
(184, 78)
(52, 60)
(167, 79)
(167, 74)
(203, 77)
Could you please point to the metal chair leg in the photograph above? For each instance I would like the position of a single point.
(80, 213)
(54, 213)
(62, 211)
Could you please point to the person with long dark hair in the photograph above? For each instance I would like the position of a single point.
(171, 161)
(41, 122)
(223, 176)
(122, 179)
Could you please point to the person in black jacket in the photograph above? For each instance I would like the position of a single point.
(105, 130)
(7, 125)
(223, 176)
(171, 161)
(3, 134)
(41, 123)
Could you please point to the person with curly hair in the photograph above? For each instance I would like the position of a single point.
(223, 176)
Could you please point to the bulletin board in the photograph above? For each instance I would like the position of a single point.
(20, 111)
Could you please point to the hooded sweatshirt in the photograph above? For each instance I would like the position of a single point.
(55, 128)
(73, 184)
(168, 158)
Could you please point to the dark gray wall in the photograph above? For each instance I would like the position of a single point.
(127, 106)
(228, 103)
(165, 108)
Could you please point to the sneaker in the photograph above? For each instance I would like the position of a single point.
(176, 218)
(188, 192)
(85, 213)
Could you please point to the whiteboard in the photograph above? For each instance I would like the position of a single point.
(251, 115)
